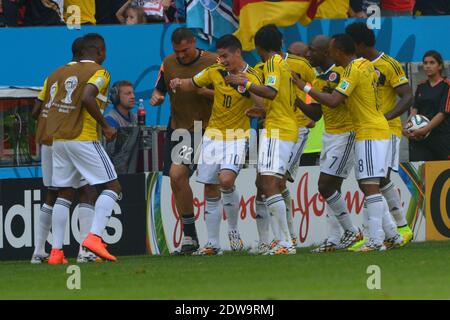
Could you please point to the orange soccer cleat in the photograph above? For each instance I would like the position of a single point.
(94, 243)
(57, 257)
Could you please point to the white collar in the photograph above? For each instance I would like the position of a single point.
(91, 61)
(376, 59)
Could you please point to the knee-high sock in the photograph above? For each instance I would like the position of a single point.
(213, 217)
(389, 226)
(231, 206)
(103, 210)
(277, 208)
(43, 229)
(375, 208)
(290, 219)
(333, 229)
(262, 222)
(394, 203)
(86, 214)
(61, 211)
(337, 205)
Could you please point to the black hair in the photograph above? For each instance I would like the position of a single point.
(269, 38)
(229, 41)
(344, 43)
(77, 48)
(181, 34)
(360, 33)
(92, 40)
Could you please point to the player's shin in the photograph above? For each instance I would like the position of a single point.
(103, 210)
(277, 209)
(85, 217)
(43, 229)
(231, 206)
(213, 217)
(392, 197)
(61, 211)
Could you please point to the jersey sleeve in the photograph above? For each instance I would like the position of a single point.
(272, 74)
(160, 81)
(203, 78)
(100, 79)
(41, 95)
(348, 82)
(445, 100)
(307, 72)
(397, 76)
(254, 77)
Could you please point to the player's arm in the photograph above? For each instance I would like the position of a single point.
(263, 91)
(312, 111)
(38, 103)
(405, 102)
(186, 85)
(437, 119)
(160, 90)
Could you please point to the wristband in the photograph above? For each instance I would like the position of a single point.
(307, 88)
(248, 84)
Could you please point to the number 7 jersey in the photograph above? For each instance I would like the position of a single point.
(230, 102)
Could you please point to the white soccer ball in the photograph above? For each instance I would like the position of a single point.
(416, 122)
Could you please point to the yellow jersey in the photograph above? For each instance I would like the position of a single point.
(280, 112)
(87, 11)
(41, 95)
(228, 120)
(90, 132)
(301, 67)
(359, 84)
(390, 76)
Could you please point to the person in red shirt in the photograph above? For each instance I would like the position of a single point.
(390, 8)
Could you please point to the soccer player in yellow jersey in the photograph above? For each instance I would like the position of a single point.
(76, 150)
(281, 130)
(225, 140)
(337, 156)
(300, 66)
(392, 84)
(358, 88)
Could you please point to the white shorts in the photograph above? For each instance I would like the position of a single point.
(273, 155)
(296, 154)
(217, 155)
(47, 168)
(75, 159)
(395, 150)
(372, 158)
(338, 154)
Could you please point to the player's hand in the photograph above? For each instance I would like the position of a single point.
(236, 79)
(298, 82)
(175, 84)
(255, 112)
(418, 133)
(156, 99)
(109, 133)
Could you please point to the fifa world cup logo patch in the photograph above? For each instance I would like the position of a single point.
(70, 85)
(53, 90)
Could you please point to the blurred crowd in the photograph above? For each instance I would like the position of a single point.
(15, 13)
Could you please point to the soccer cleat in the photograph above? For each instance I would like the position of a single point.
(357, 245)
(95, 244)
(274, 243)
(262, 248)
(236, 243)
(57, 257)
(394, 242)
(326, 246)
(282, 250)
(39, 258)
(371, 246)
(406, 233)
(208, 250)
(349, 238)
(188, 247)
(86, 256)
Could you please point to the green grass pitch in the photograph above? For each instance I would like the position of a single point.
(418, 271)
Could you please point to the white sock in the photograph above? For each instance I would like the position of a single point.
(61, 211)
(231, 206)
(43, 229)
(103, 210)
(85, 217)
(389, 226)
(392, 197)
(262, 222)
(375, 209)
(213, 217)
(290, 219)
(333, 229)
(365, 224)
(337, 205)
(277, 208)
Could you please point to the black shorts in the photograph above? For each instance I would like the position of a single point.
(181, 151)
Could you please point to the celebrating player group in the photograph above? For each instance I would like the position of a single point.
(359, 91)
